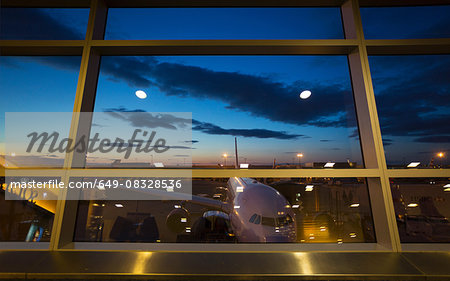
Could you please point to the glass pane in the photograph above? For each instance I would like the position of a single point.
(413, 101)
(36, 84)
(32, 84)
(422, 209)
(43, 24)
(284, 111)
(224, 23)
(406, 22)
(265, 210)
(25, 221)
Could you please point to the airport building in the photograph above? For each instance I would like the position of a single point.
(301, 139)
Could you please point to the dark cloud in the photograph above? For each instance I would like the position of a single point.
(387, 142)
(34, 24)
(416, 100)
(141, 119)
(325, 140)
(434, 139)
(412, 94)
(212, 129)
(191, 141)
(331, 105)
(122, 109)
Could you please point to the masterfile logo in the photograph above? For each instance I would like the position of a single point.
(118, 155)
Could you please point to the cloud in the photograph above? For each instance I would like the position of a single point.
(434, 139)
(141, 119)
(191, 141)
(212, 129)
(412, 93)
(29, 24)
(416, 101)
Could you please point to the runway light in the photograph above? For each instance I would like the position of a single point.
(188, 229)
(329, 165)
(183, 219)
(309, 188)
(287, 206)
(413, 164)
(118, 205)
(177, 206)
(413, 205)
(356, 205)
(244, 166)
(141, 94)
(158, 165)
(441, 154)
(353, 235)
(296, 206)
(300, 155)
(305, 94)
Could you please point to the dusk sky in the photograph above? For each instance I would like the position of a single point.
(255, 98)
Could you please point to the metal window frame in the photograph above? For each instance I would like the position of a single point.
(354, 46)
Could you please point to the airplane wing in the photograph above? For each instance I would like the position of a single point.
(211, 203)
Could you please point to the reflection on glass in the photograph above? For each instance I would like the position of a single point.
(43, 24)
(413, 103)
(414, 22)
(25, 220)
(422, 209)
(36, 84)
(224, 23)
(238, 210)
(246, 110)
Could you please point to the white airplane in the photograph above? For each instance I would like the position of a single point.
(254, 211)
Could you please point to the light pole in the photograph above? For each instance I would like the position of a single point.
(225, 159)
(440, 155)
(299, 156)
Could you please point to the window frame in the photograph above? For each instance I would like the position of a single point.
(354, 46)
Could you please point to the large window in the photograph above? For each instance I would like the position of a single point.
(413, 98)
(28, 84)
(302, 122)
(422, 209)
(256, 99)
(238, 210)
(224, 23)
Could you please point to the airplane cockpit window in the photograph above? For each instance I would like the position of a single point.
(268, 221)
(255, 218)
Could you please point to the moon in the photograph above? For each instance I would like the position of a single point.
(141, 94)
(305, 94)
